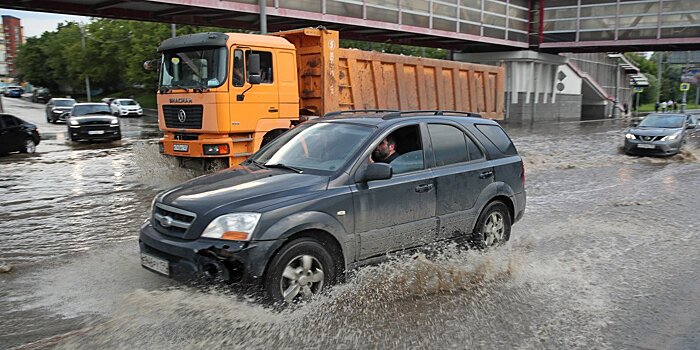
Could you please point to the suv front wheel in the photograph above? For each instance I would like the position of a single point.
(301, 269)
(493, 227)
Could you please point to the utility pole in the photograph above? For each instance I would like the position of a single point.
(173, 30)
(685, 92)
(616, 102)
(87, 78)
(263, 16)
(659, 58)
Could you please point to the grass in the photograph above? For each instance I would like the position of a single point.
(649, 107)
(146, 98)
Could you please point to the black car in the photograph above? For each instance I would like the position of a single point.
(92, 121)
(321, 199)
(56, 109)
(42, 95)
(660, 134)
(16, 135)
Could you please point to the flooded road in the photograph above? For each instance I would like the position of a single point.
(606, 257)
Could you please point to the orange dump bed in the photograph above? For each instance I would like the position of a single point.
(332, 78)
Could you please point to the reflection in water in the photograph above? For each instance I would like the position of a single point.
(603, 259)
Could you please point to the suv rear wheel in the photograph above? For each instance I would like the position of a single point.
(301, 269)
(493, 227)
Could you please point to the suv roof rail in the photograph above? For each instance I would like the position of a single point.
(353, 111)
(434, 112)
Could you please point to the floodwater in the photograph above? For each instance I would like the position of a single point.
(606, 257)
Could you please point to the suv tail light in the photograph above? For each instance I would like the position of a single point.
(522, 172)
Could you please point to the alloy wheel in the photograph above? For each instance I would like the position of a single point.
(29, 146)
(302, 278)
(494, 229)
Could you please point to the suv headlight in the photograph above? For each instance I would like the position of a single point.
(115, 121)
(233, 227)
(671, 137)
(74, 122)
(630, 136)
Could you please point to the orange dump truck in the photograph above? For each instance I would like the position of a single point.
(223, 96)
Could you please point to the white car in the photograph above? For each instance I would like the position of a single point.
(123, 107)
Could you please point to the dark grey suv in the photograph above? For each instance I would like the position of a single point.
(316, 201)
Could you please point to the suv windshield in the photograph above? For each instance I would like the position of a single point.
(63, 103)
(197, 69)
(91, 109)
(319, 146)
(663, 121)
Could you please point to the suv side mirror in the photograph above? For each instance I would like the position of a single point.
(254, 75)
(377, 171)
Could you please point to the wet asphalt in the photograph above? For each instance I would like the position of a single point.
(606, 257)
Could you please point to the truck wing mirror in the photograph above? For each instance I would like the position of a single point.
(254, 75)
(150, 65)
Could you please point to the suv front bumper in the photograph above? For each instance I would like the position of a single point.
(231, 261)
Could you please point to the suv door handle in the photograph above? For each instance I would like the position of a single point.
(272, 110)
(424, 188)
(486, 174)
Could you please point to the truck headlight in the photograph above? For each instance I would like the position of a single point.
(233, 227)
(115, 121)
(630, 136)
(74, 122)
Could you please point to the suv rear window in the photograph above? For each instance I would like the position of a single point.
(498, 137)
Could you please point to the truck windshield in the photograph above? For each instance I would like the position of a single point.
(318, 146)
(194, 68)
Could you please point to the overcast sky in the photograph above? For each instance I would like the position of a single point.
(36, 23)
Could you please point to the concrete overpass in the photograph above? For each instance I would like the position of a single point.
(459, 25)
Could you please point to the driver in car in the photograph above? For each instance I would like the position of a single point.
(385, 151)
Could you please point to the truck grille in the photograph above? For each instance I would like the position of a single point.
(172, 221)
(192, 116)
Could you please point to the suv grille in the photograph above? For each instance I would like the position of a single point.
(192, 116)
(172, 221)
(649, 138)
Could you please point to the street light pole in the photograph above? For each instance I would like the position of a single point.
(87, 78)
(263, 16)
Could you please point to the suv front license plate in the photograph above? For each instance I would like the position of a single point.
(96, 132)
(155, 264)
(180, 148)
(644, 145)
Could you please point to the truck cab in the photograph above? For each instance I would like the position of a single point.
(220, 94)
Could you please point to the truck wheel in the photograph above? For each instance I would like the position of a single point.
(301, 269)
(29, 146)
(493, 227)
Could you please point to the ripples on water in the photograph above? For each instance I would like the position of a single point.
(75, 199)
(456, 299)
(573, 277)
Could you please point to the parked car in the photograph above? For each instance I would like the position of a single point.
(123, 107)
(13, 91)
(57, 107)
(92, 121)
(659, 134)
(41, 95)
(311, 205)
(17, 135)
